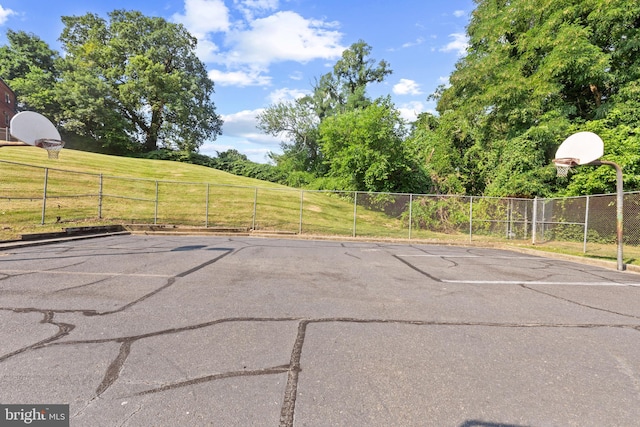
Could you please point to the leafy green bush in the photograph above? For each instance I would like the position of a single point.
(445, 214)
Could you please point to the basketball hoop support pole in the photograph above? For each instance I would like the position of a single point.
(619, 207)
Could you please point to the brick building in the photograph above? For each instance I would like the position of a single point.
(7, 104)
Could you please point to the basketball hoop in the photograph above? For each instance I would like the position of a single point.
(53, 146)
(563, 165)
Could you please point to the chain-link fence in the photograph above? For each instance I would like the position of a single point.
(36, 195)
(587, 219)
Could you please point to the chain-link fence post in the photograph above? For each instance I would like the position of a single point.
(586, 225)
(155, 214)
(410, 214)
(206, 209)
(100, 187)
(301, 208)
(355, 211)
(470, 218)
(534, 221)
(44, 195)
(255, 208)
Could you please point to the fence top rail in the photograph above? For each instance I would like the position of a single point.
(137, 179)
(49, 168)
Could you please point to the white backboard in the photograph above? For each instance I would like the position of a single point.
(585, 147)
(29, 127)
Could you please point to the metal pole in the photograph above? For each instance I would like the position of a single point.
(586, 226)
(410, 213)
(508, 225)
(255, 205)
(543, 224)
(206, 218)
(155, 214)
(301, 207)
(100, 198)
(44, 194)
(619, 208)
(534, 220)
(355, 208)
(526, 219)
(471, 218)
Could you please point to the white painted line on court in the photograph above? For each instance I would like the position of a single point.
(83, 273)
(533, 282)
(469, 256)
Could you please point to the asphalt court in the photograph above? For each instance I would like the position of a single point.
(194, 330)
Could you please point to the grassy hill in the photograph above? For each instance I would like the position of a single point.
(86, 189)
(147, 191)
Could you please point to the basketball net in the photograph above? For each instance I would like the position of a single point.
(53, 146)
(563, 165)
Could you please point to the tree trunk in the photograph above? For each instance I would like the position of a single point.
(151, 143)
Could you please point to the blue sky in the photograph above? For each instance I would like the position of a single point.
(263, 51)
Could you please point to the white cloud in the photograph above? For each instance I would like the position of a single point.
(296, 75)
(286, 94)
(245, 48)
(243, 125)
(444, 80)
(459, 44)
(459, 13)
(417, 42)
(206, 50)
(204, 16)
(283, 36)
(241, 78)
(250, 8)
(5, 14)
(407, 87)
(240, 133)
(410, 111)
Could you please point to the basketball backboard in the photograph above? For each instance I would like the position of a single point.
(35, 129)
(31, 127)
(581, 148)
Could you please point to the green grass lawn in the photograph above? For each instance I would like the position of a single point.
(187, 194)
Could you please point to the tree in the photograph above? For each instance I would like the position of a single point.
(136, 82)
(297, 121)
(534, 71)
(365, 150)
(441, 161)
(345, 88)
(337, 92)
(28, 66)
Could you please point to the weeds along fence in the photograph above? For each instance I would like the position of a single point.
(39, 195)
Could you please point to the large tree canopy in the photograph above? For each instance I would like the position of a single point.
(535, 71)
(135, 79)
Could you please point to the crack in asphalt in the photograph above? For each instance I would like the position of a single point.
(293, 368)
(114, 369)
(63, 330)
(231, 374)
(291, 389)
(524, 286)
(413, 267)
